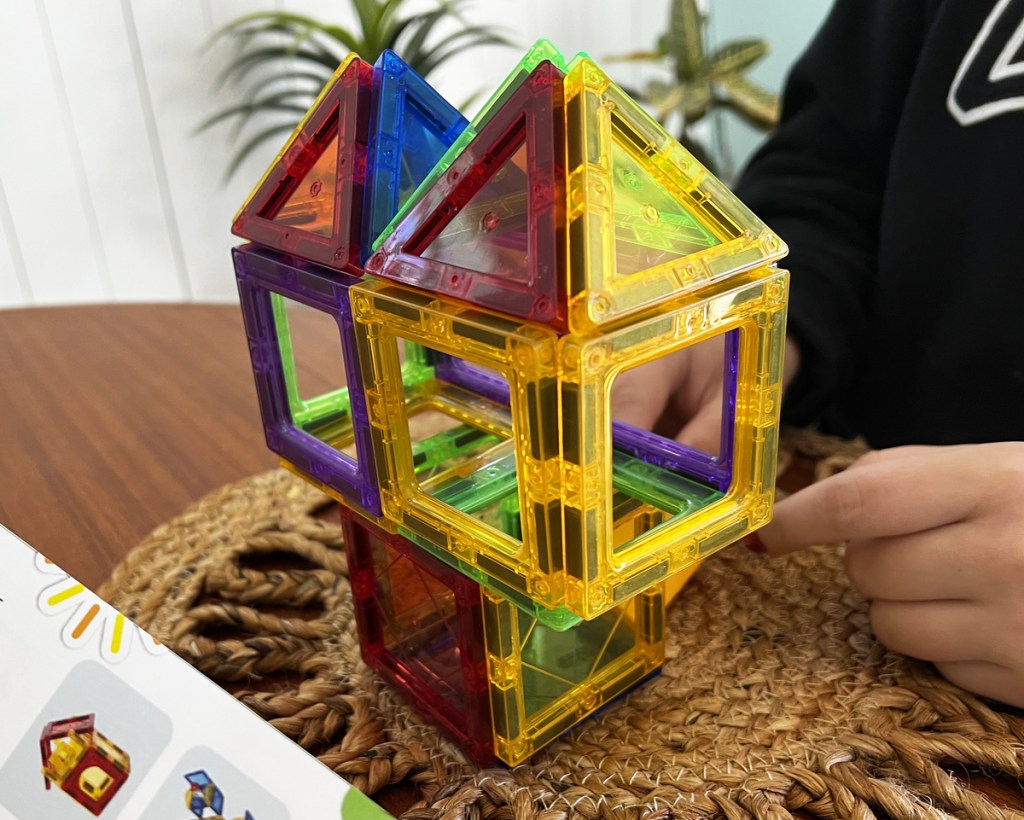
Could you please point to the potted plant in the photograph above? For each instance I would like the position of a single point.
(282, 60)
(701, 81)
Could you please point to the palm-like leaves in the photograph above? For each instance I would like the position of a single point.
(702, 81)
(283, 60)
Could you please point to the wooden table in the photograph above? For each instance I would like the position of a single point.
(114, 418)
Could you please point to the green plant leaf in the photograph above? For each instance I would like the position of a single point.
(242, 154)
(347, 39)
(299, 27)
(368, 12)
(283, 59)
(299, 80)
(457, 43)
(685, 39)
(690, 100)
(251, 25)
(413, 47)
(752, 102)
(664, 98)
(249, 60)
(697, 100)
(637, 57)
(390, 26)
(736, 56)
(282, 101)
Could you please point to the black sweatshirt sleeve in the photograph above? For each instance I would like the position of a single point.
(819, 181)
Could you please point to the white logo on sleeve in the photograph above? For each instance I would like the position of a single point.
(990, 79)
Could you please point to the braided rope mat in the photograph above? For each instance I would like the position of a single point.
(775, 700)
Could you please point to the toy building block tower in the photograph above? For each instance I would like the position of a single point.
(511, 544)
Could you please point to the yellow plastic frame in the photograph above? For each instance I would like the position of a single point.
(519, 731)
(588, 575)
(599, 115)
(597, 576)
(386, 314)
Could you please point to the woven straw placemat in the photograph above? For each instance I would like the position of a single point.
(775, 700)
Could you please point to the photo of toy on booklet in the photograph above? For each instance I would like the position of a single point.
(101, 720)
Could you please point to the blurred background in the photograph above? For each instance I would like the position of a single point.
(111, 191)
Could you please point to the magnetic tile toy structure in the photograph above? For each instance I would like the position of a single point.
(80, 761)
(512, 544)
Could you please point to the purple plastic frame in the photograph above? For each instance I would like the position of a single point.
(662, 452)
(261, 272)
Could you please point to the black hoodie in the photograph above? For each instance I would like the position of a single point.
(897, 179)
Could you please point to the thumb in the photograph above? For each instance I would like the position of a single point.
(776, 537)
(636, 401)
(704, 431)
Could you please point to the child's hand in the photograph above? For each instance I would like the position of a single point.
(681, 393)
(936, 541)
(683, 389)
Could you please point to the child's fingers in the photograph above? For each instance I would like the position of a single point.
(639, 397)
(940, 631)
(704, 431)
(903, 452)
(884, 497)
(922, 566)
(890, 454)
(991, 680)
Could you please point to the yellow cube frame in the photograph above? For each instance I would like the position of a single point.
(597, 573)
(561, 434)
(385, 316)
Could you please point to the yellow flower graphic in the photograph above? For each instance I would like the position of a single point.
(88, 616)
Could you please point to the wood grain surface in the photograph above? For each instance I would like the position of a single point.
(115, 418)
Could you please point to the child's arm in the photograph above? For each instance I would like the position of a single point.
(935, 538)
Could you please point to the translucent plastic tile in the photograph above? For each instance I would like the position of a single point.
(544, 682)
(325, 436)
(311, 206)
(524, 356)
(309, 203)
(496, 680)
(651, 226)
(411, 128)
(484, 487)
(714, 469)
(562, 240)
(701, 511)
(488, 231)
(646, 222)
(541, 51)
(421, 628)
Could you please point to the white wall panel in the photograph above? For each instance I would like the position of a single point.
(42, 167)
(182, 73)
(787, 27)
(110, 108)
(15, 288)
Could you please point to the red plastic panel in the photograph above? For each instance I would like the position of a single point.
(75, 784)
(491, 230)
(421, 629)
(310, 202)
